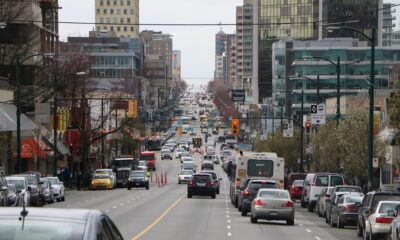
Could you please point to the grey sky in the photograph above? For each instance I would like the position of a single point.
(196, 43)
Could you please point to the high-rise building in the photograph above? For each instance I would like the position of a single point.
(176, 65)
(244, 48)
(304, 20)
(120, 16)
(220, 54)
(387, 24)
(231, 60)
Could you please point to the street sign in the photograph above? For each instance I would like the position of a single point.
(318, 119)
(238, 95)
(287, 128)
(321, 109)
(313, 109)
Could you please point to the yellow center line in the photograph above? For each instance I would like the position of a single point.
(148, 228)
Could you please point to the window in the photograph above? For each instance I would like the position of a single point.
(97, 11)
(111, 11)
(132, 29)
(125, 11)
(260, 168)
(108, 3)
(337, 180)
(115, 3)
(101, 3)
(122, 3)
(104, 11)
(118, 29)
(122, 20)
(322, 181)
(125, 29)
(128, 20)
(128, 3)
(111, 28)
(103, 232)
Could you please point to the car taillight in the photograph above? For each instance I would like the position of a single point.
(349, 208)
(385, 220)
(289, 204)
(190, 184)
(210, 183)
(247, 192)
(258, 202)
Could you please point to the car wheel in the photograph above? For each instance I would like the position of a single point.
(290, 222)
(129, 188)
(217, 191)
(63, 198)
(179, 182)
(331, 222)
(59, 199)
(147, 187)
(326, 218)
(302, 203)
(189, 195)
(359, 231)
(310, 207)
(244, 213)
(253, 219)
(339, 223)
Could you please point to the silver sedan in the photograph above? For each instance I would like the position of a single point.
(272, 204)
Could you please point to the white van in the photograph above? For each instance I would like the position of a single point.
(313, 184)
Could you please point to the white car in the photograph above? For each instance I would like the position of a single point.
(378, 222)
(210, 150)
(58, 188)
(179, 152)
(184, 176)
(109, 172)
(20, 185)
(142, 165)
(186, 159)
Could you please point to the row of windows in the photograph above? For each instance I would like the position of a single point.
(116, 11)
(112, 60)
(114, 20)
(115, 2)
(111, 73)
(117, 29)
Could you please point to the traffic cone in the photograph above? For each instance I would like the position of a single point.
(165, 178)
(162, 180)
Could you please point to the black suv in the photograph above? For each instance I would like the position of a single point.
(244, 185)
(250, 192)
(215, 178)
(369, 202)
(201, 184)
(138, 179)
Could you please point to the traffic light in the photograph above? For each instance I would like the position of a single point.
(308, 126)
(235, 126)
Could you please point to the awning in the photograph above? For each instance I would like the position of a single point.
(30, 148)
(61, 148)
(8, 119)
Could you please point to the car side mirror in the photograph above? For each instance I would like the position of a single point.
(29, 188)
(357, 204)
(391, 213)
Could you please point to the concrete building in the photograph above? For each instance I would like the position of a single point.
(120, 16)
(231, 60)
(156, 72)
(220, 55)
(387, 24)
(288, 58)
(176, 65)
(395, 38)
(275, 20)
(244, 49)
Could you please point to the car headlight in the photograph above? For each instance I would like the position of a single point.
(93, 182)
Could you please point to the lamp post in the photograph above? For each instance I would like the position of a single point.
(19, 61)
(83, 125)
(371, 99)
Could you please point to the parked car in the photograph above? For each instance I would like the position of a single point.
(295, 189)
(59, 189)
(138, 179)
(344, 210)
(201, 184)
(323, 198)
(47, 191)
(184, 176)
(57, 223)
(22, 188)
(339, 189)
(35, 189)
(13, 196)
(99, 181)
(370, 201)
(251, 192)
(378, 221)
(110, 172)
(215, 178)
(3, 190)
(272, 204)
(314, 186)
(394, 231)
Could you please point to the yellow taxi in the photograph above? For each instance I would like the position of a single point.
(101, 181)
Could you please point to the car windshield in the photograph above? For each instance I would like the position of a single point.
(102, 176)
(10, 229)
(147, 157)
(102, 172)
(138, 174)
(53, 181)
(298, 183)
(19, 184)
(378, 198)
(258, 185)
(187, 159)
(274, 194)
(186, 172)
(354, 199)
(31, 180)
(348, 189)
(385, 207)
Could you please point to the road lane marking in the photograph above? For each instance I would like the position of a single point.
(228, 227)
(227, 216)
(106, 210)
(115, 207)
(308, 230)
(317, 238)
(301, 225)
(148, 228)
(228, 221)
(229, 234)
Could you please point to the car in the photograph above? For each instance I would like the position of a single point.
(186, 159)
(212, 158)
(47, 191)
(138, 179)
(339, 189)
(313, 185)
(111, 172)
(188, 166)
(35, 189)
(323, 198)
(166, 154)
(272, 204)
(215, 178)
(344, 210)
(59, 188)
(184, 176)
(370, 201)
(204, 130)
(169, 146)
(243, 186)
(378, 222)
(186, 154)
(3, 190)
(21, 186)
(57, 223)
(295, 189)
(142, 165)
(209, 165)
(99, 181)
(201, 184)
(394, 231)
(293, 177)
(13, 196)
(179, 152)
(184, 144)
(221, 139)
(250, 192)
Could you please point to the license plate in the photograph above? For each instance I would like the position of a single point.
(201, 184)
(273, 213)
(137, 184)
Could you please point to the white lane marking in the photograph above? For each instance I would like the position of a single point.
(69, 206)
(107, 210)
(128, 201)
(227, 212)
(308, 230)
(227, 216)
(317, 238)
(122, 204)
(228, 221)
(228, 227)
(115, 207)
(301, 225)
(229, 234)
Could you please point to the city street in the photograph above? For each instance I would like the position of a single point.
(166, 213)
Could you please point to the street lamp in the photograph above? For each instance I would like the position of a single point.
(83, 124)
(19, 61)
(371, 98)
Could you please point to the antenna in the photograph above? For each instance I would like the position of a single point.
(24, 212)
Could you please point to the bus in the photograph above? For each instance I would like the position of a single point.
(264, 165)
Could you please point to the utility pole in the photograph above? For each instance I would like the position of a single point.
(302, 133)
(55, 123)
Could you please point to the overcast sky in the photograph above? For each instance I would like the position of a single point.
(196, 43)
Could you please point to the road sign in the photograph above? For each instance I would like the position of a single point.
(313, 108)
(318, 119)
(238, 95)
(321, 109)
(287, 128)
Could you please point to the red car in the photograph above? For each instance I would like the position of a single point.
(295, 189)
